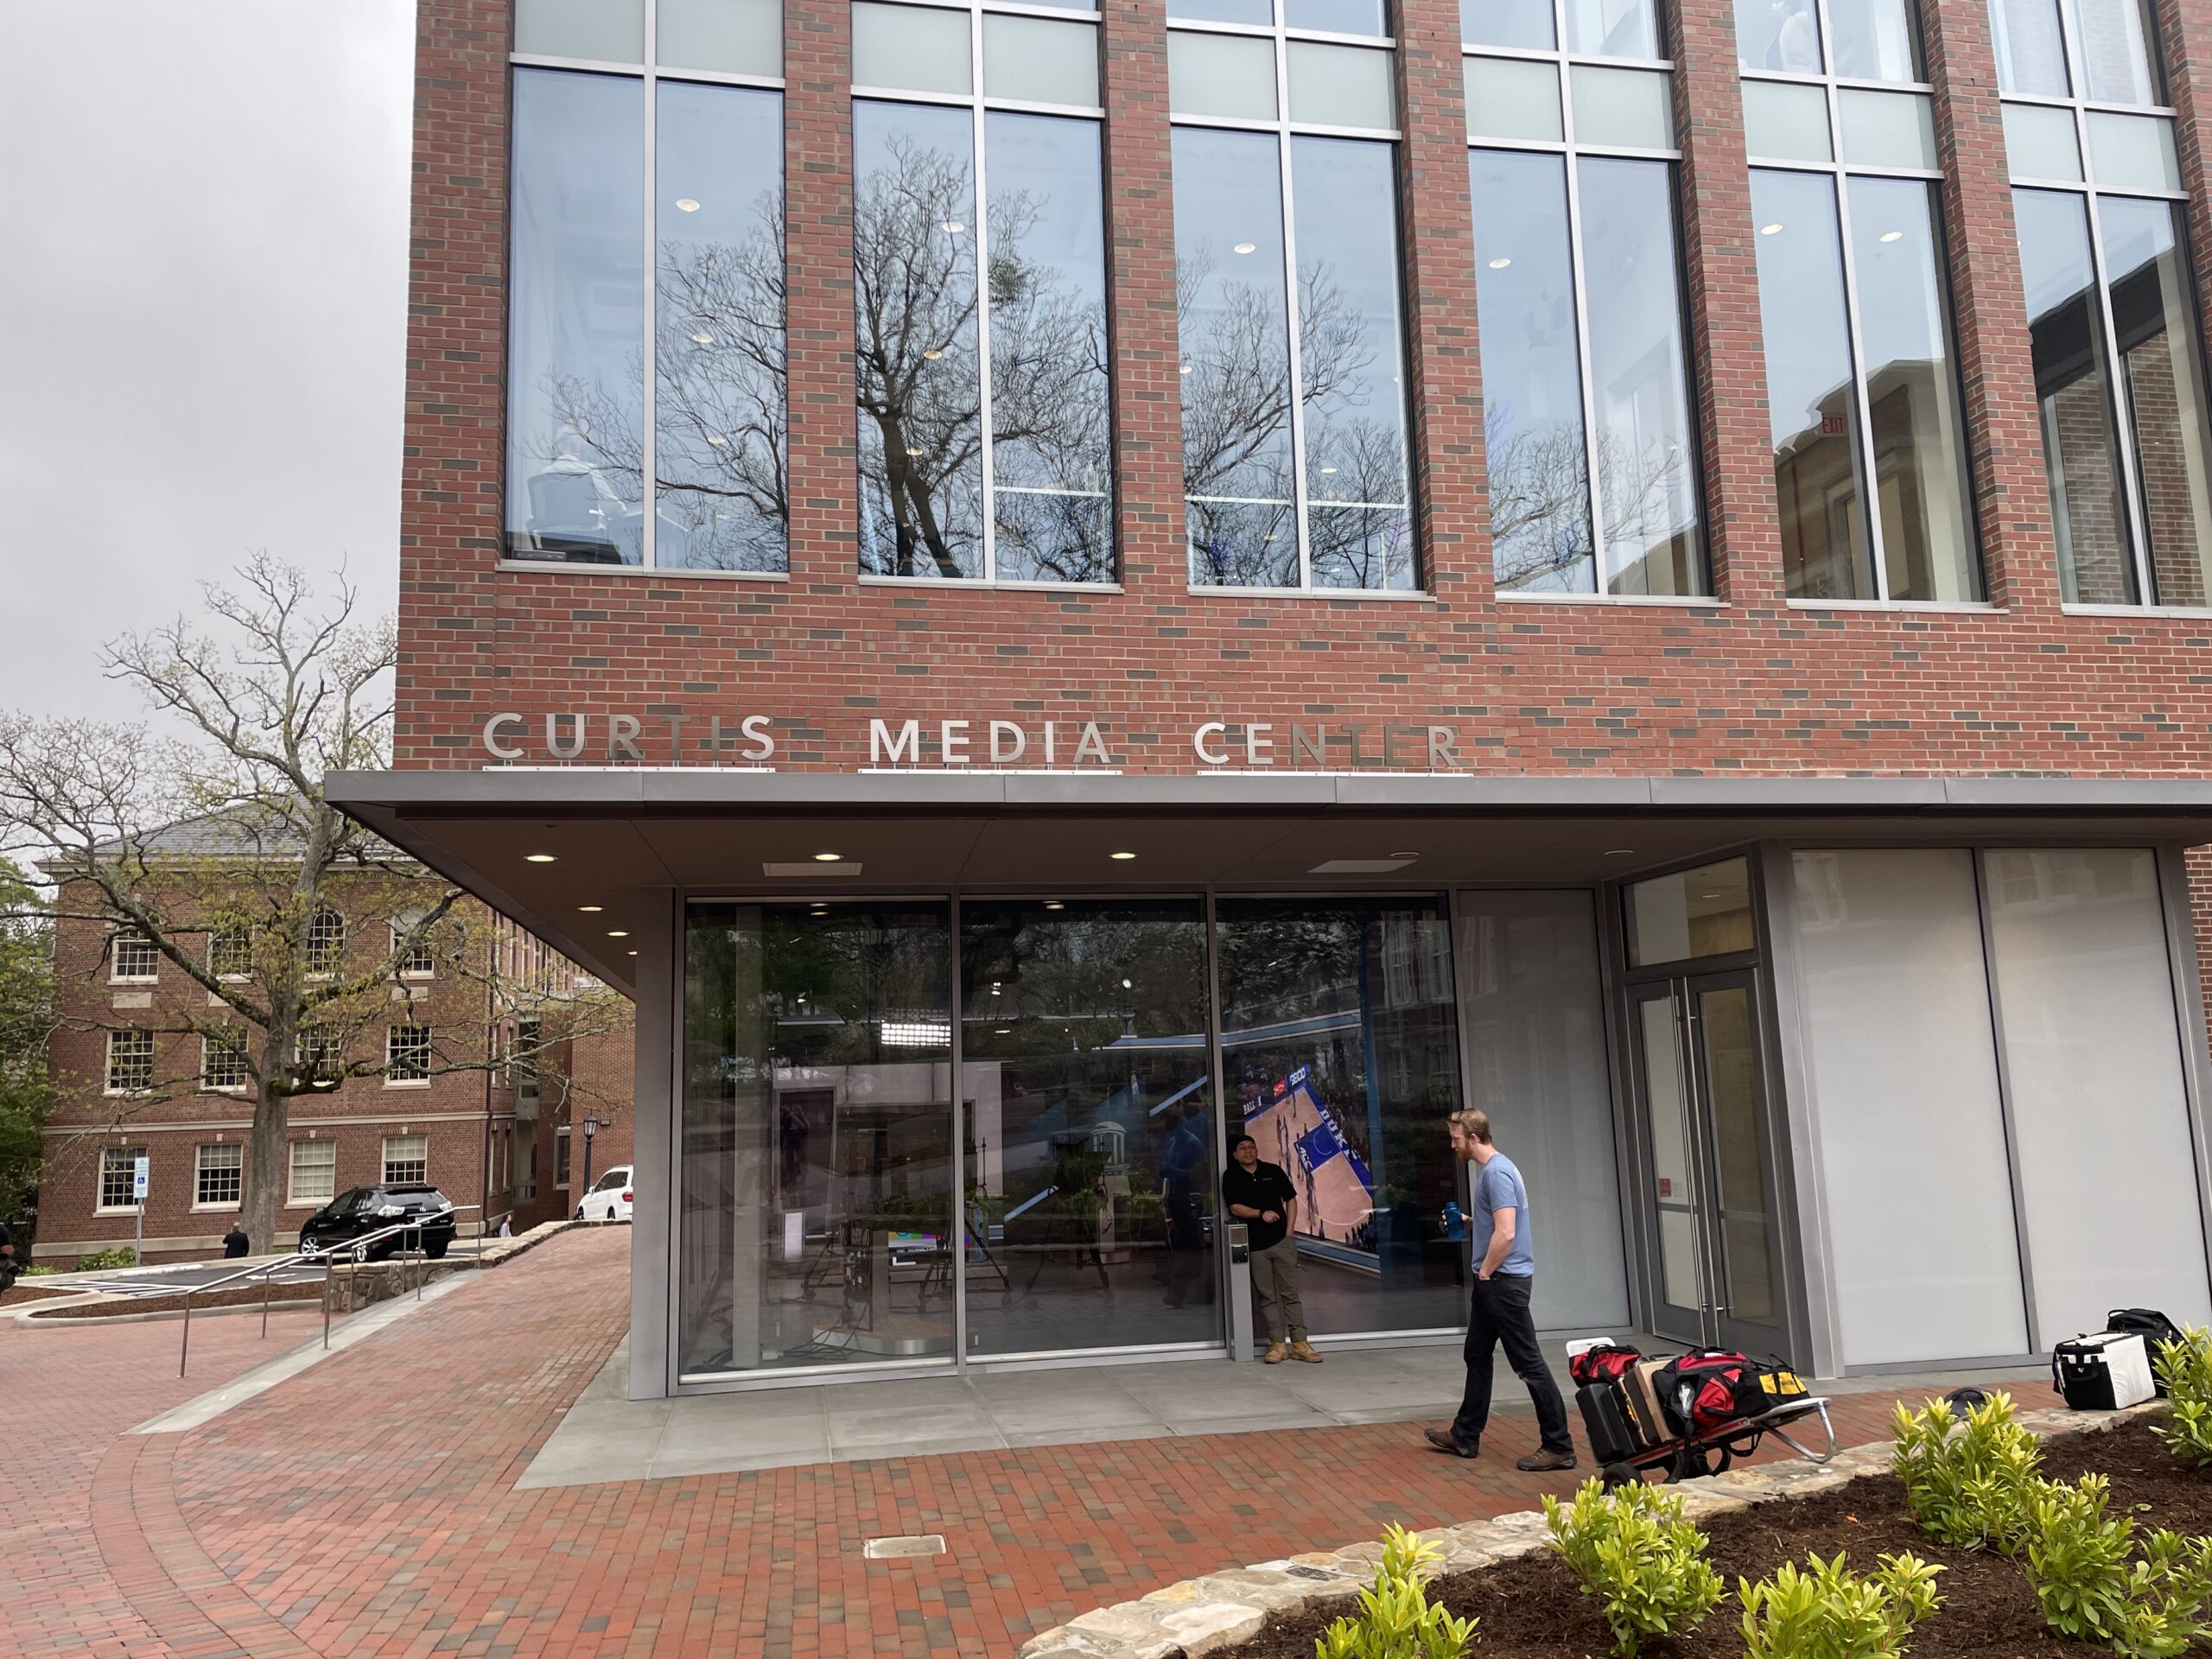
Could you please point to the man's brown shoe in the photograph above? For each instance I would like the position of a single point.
(1539, 1462)
(1305, 1350)
(1277, 1352)
(1445, 1441)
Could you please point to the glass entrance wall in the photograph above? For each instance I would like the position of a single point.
(1338, 1042)
(1092, 1160)
(815, 1216)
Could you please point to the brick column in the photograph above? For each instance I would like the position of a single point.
(1989, 312)
(450, 507)
(1728, 352)
(823, 451)
(1148, 389)
(1444, 374)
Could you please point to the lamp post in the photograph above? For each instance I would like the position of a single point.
(591, 1128)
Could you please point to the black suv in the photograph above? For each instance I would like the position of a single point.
(361, 1210)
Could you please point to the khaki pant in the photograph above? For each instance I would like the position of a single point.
(1274, 1275)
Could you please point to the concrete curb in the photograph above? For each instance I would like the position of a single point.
(1200, 1616)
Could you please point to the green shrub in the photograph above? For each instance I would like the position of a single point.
(1633, 1549)
(2096, 1584)
(123, 1256)
(37, 1273)
(1968, 1483)
(1831, 1613)
(1395, 1620)
(2185, 1369)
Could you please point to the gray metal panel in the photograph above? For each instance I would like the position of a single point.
(653, 1231)
(1386, 792)
(1774, 794)
(2080, 794)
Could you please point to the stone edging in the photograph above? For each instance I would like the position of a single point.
(1199, 1616)
(36, 1316)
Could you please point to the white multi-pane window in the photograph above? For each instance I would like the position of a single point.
(1866, 424)
(117, 1166)
(218, 1175)
(323, 952)
(1587, 412)
(2103, 224)
(406, 1159)
(1295, 466)
(132, 958)
(223, 1068)
(314, 1172)
(323, 1055)
(129, 1062)
(979, 307)
(230, 952)
(646, 401)
(417, 957)
(407, 1054)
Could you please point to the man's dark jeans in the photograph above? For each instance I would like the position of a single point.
(1500, 1313)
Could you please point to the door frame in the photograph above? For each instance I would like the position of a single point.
(1791, 1336)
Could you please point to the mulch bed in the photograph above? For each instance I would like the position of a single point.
(30, 1290)
(1533, 1608)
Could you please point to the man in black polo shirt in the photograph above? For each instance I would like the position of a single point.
(1260, 1196)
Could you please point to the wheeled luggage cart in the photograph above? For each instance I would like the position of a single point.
(1711, 1453)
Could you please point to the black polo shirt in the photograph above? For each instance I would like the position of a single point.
(1266, 1188)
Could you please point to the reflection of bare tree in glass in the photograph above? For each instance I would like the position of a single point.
(1236, 438)
(720, 416)
(1540, 497)
(919, 392)
(720, 388)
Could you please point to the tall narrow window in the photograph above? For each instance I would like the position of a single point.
(980, 336)
(1868, 433)
(2120, 368)
(1578, 293)
(646, 419)
(1295, 472)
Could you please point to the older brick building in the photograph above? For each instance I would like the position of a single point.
(136, 1078)
(1026, 575)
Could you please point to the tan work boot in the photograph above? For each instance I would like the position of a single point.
(1278, 1352)
(1304, 1350)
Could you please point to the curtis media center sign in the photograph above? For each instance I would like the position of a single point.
(672, 738)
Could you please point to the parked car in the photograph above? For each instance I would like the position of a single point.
(360, 1210)
(609, 1198)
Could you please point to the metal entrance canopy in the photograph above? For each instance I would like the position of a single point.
(616, 835)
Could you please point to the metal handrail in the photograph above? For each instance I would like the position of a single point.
(356, 1248)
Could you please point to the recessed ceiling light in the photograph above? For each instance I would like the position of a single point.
(953, 227)
(1328, 469)
(1185, 369)
(1002, 1031)
(718, 441)
(591, 910)
(1122, 857)
(931, 355)
(1499, 264)
(1620, 852)
(617, 932)
(537, 858)
(703, 339)
(1246, 247)
(1125, 984)
(633, 953)
(685, 204)
(1054, 904)
(827, 858)
(918, 452)
(1768, 229)
(1405, 855)
(1892, 236)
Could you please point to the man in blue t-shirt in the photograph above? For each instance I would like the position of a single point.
(1499, 1313)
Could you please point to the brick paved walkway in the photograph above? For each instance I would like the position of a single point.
(367, 1507)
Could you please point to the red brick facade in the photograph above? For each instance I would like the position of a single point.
(1752, 685)
(461, 1115)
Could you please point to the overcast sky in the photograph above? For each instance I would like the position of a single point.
(203, 210)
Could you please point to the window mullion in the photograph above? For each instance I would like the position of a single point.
(648, 458)
(1594, 484)
(1294, 331)
(2123, 411)
(1870, 504)
(983, 228)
